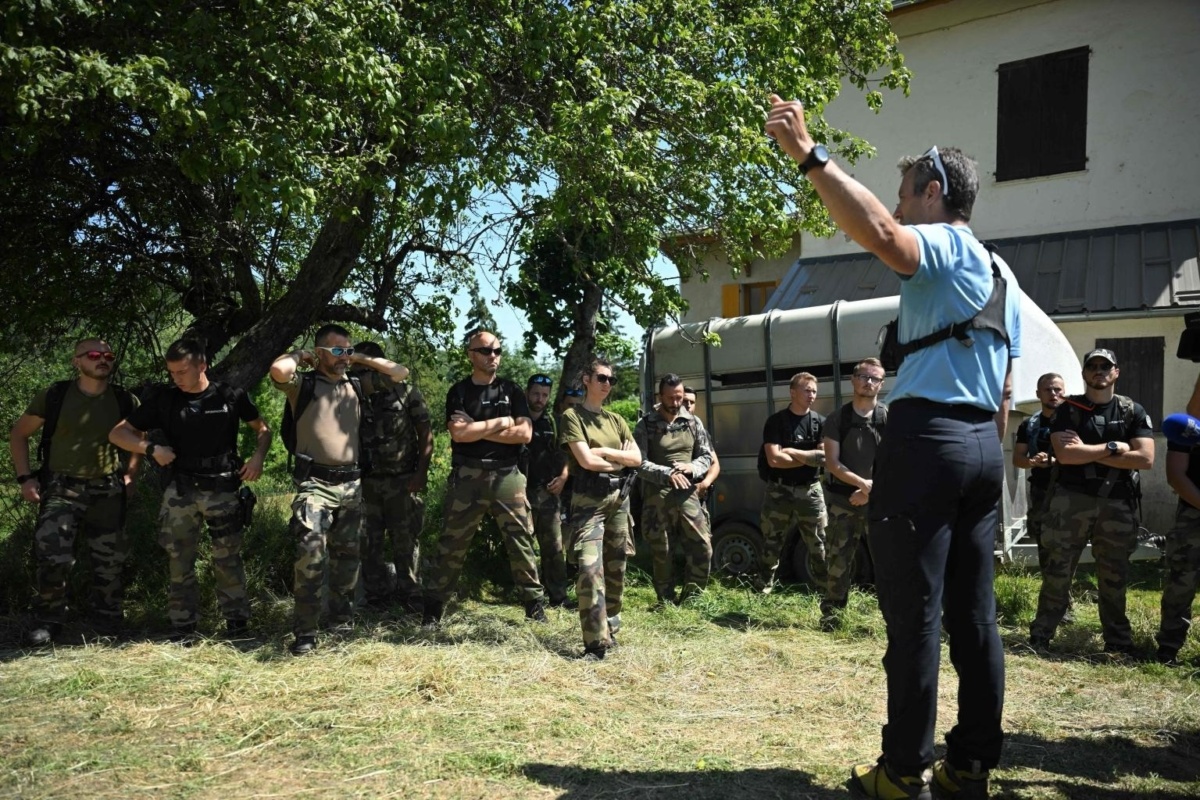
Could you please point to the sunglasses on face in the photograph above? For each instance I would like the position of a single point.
(338, 352)
(487, 351)
(605, 378)
(1099, 367)
(869, 379)
(96, 355)
(540, 380)
(941, 168)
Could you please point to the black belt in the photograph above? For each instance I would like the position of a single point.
(334, 475)
(597, 483)
(207, 482)
(484, 463)
(779, 482)
(961, 411)
(207, 465)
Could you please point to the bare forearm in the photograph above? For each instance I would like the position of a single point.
(284, 367)
(127, 438)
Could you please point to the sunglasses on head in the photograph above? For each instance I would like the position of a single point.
(96, 355)
(487, 351)
(338, 352)
(573, 393)
(941, 168)
(541, 380)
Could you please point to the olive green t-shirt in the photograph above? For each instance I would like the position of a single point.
(80, 447)
(602, 429)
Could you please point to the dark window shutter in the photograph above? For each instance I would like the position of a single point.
(1141, 363)
(1041, 119)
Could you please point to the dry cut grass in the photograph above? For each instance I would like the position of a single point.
(733, 697)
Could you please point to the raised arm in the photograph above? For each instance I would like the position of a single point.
(859, 213)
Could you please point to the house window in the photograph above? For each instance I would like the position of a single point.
(1141, 363)
(744, 299)
(1041, 123)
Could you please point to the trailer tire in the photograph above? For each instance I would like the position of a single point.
(737, 548)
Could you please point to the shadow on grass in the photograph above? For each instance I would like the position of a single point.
(580, 783)
(1102, 760)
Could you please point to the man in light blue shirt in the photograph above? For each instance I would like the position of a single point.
(939, 471)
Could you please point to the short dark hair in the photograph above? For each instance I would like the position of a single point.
(596, 361)
(330, 329)
(689, 390)
(670, 379)
(189, 347)
(961, 174)
(1049, 376)
(371, 349)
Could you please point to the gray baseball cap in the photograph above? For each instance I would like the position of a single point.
(1100, 352)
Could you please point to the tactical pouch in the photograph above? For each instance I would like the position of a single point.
(246, 502)
(303, 470)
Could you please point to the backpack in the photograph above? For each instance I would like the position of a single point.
(55, 396)
(308, 388)
(990, 317)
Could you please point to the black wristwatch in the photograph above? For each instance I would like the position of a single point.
(1113, 449)
(26, 477)
(817, 157)
(150, 449)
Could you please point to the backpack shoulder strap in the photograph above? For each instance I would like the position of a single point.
(55, 396)
(308, 388)
(845, 420)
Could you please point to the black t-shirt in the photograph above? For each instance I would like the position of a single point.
(801, 432)
(203, 425)
(1097, 424)
(545, 459)
(1034, 433)
(1193, 467)
(500, 398)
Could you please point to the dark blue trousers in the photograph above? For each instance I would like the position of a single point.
(934, 514)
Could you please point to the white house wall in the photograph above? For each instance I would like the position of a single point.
(1143, 118)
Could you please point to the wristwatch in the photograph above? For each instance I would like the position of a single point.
(150, 449)
(22, 478)
(817, 157)
(1114, 449)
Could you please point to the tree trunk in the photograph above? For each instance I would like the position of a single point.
(324, 271)
(583, 344)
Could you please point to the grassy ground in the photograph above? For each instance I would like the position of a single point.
(731, 697)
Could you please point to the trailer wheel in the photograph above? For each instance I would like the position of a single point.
(737, 548)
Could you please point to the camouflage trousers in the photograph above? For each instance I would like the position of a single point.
(184, 510)
(601, 541)
(95, 506)
(804, 507)
(547, 530)
(472, 492)
(1073, 519)
(389, 508)
(677, 515)
(326, 520)
(845, 530)
(1183, 577)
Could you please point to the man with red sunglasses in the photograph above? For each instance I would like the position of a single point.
(81, 485)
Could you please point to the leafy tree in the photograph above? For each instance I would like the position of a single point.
(245, 170)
